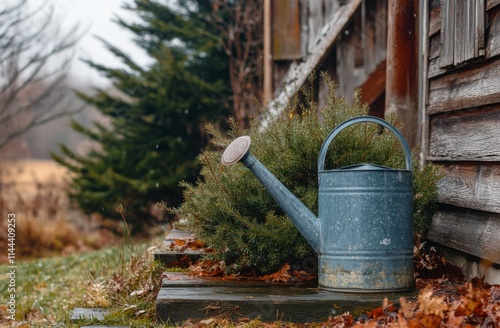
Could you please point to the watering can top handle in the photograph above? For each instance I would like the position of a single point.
(340, 127)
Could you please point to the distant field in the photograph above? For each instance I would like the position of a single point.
(23, 175)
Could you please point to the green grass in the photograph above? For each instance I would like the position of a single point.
(48, 289)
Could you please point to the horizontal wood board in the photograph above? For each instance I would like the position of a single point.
(466, 135)
(471, 185)
(477, 85)
(473, 232)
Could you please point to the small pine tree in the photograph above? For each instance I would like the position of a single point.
(155, 114)
(232, 212)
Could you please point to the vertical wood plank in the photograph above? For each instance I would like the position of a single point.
(345, 65)
(447, 33)
(402, 66)
(286, 30)
(380, 30)
(460, 20)
(357, 42)
(368, 36)
(330, 7)
(315, 22)
(468, 29)
(479, 28)
(268, 60)
(425, 11)
(304, 26)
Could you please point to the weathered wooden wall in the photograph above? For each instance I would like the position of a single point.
(356, 59)
(463, 114)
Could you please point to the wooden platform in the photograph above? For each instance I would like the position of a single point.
(184, 297)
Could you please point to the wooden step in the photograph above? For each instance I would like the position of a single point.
(183, 297)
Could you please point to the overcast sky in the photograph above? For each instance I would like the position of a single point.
(95, 17)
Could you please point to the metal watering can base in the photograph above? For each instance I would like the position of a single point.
(364, 231)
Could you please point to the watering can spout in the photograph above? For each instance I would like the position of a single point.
(305, 221)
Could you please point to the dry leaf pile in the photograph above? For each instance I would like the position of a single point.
(181, 245)
(477, 304)
(287, 274)
(207, 268)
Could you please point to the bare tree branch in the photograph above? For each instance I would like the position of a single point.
(240, 24)
(35, 56)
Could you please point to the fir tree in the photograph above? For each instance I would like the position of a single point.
(154, 133)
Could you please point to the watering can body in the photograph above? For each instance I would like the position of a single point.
(364, 231)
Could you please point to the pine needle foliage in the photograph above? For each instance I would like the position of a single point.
(232, 212)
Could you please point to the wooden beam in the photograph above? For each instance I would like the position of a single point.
(299, 71)
(402, 67)
(374, 85)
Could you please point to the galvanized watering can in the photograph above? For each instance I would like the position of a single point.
(364, 232)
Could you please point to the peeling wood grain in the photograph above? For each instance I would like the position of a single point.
(466, 135)
(473, 232)
(478, 85)
(475, 186)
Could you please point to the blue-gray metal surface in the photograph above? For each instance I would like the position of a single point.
(366, 219)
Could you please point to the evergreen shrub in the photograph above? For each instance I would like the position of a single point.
(232, 212)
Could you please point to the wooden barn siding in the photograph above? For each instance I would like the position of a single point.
(464, 140)
(357, 53)
(314, 14)
(469, 231)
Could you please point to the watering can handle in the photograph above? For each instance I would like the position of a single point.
(340, 127)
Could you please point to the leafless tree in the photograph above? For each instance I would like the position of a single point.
(241, 26)
(35, 55)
